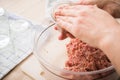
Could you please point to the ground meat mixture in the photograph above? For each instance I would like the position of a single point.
(83, 58)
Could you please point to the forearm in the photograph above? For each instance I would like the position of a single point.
(111, 47)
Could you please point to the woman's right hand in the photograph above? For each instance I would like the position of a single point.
(93, 26)
(87, 22)
(104, 4)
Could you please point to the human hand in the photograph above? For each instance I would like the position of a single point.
(89, 23)
(110, 6)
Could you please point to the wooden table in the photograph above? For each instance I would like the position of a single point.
(33, 10)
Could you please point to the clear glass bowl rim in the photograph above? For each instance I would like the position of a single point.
(43, 61)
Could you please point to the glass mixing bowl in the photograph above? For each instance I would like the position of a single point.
(52, 56)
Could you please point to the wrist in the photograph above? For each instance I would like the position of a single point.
(110, 45)
(110, 41)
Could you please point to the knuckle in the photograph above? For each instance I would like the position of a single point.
(83, 12)
(79, 20)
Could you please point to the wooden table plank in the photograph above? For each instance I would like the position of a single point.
(17, 74)
(31, 9)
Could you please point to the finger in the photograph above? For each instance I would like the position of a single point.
(85, 2)
(59, 8)
(66, 12)
(79, 2)
(63, 33)
(62, 36)
(66, 19)
(69, 35)
(73, 6)
(63, 24)
(73, 11)
(59, 29)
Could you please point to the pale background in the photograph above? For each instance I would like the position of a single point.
(31, 9)
(34, 10)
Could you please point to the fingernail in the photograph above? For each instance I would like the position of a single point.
(57, 13)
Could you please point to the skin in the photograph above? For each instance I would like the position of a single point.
(111, 6)
(94, 26)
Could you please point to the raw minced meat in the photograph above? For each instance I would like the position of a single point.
(83, 58)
